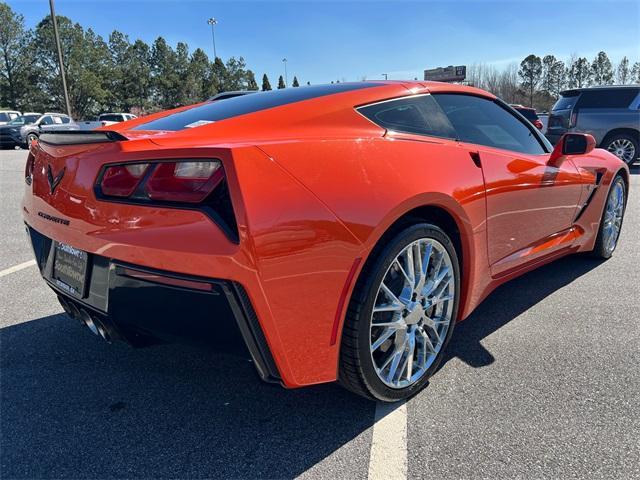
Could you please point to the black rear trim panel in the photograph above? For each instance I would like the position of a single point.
(79, 137)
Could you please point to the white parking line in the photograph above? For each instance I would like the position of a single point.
(388, 460)
(18, 267)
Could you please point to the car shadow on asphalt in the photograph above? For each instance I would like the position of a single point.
(74, 407)
(507, 302)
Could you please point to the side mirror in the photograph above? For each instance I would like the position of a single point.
(572, 144)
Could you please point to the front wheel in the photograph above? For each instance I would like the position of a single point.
(401, 316)
(611, 221)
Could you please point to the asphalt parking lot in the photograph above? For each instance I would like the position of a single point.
(543, 380)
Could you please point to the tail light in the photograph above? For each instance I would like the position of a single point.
(187, 184)
(538, 124)
(182, 181)
(28, 168)
(122, 180)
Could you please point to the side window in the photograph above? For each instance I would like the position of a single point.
(614, 98)
(484, 122)
(46, 120)
(420, 115)
(65, 119)
(57, 120)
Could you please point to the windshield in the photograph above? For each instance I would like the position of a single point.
(24, 120)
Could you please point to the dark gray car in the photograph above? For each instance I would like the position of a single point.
(611, 114)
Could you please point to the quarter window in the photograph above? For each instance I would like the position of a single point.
(484, 122)
(615, 98)
(420, 115)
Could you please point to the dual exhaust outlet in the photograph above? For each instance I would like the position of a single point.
(96, 325)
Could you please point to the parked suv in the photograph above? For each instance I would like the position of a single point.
(610, 114)
(530, 114)
(7, 115)
(46, 123)
(10, 132)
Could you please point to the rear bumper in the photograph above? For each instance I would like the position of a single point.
(134, 304)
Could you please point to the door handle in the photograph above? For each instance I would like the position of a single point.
(475, 156)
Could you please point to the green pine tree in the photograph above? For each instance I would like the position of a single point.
(295, 82)
(265, 83)
(251, 81)
(281, 82)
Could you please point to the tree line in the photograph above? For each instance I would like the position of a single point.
(116, 74)
(538, 81)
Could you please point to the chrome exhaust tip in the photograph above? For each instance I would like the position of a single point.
(103, 330)
(88, 321)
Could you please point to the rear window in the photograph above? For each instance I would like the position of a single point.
(566, 101)
(528, 113)
(232, 107)
(110, 118)
(614, 98)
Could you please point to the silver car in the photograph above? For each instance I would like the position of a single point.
(611, 114)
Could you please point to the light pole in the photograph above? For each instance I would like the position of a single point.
(60, 59)
(286, 80)
(212, 21)
(386, 76)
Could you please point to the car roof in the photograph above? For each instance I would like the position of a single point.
(330, 106)
(576, 91)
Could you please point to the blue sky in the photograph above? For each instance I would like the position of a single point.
(350, 40)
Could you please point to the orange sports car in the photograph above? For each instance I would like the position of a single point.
(338, 231)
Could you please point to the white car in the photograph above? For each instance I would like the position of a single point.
(106, 119)
(7, 115)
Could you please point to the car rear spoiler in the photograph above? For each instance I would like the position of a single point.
(76, 137)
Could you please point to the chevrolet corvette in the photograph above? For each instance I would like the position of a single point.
(334, 232)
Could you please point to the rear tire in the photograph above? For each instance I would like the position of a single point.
(418, 314)
(624, 146)
(611, 221)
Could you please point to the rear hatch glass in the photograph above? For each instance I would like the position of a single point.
(528, 113)
(566, 102)
(232, 107)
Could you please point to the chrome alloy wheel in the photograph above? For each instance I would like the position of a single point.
(412, 313)
(613, 216)
(624, 149)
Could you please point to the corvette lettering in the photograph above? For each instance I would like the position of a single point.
(51, 218)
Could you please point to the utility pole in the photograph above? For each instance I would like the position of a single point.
(386, 75)
(286, 80)
(60, 59)
(212, 21)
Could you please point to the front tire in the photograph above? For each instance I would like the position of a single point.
(611, 221)
(401, 315)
